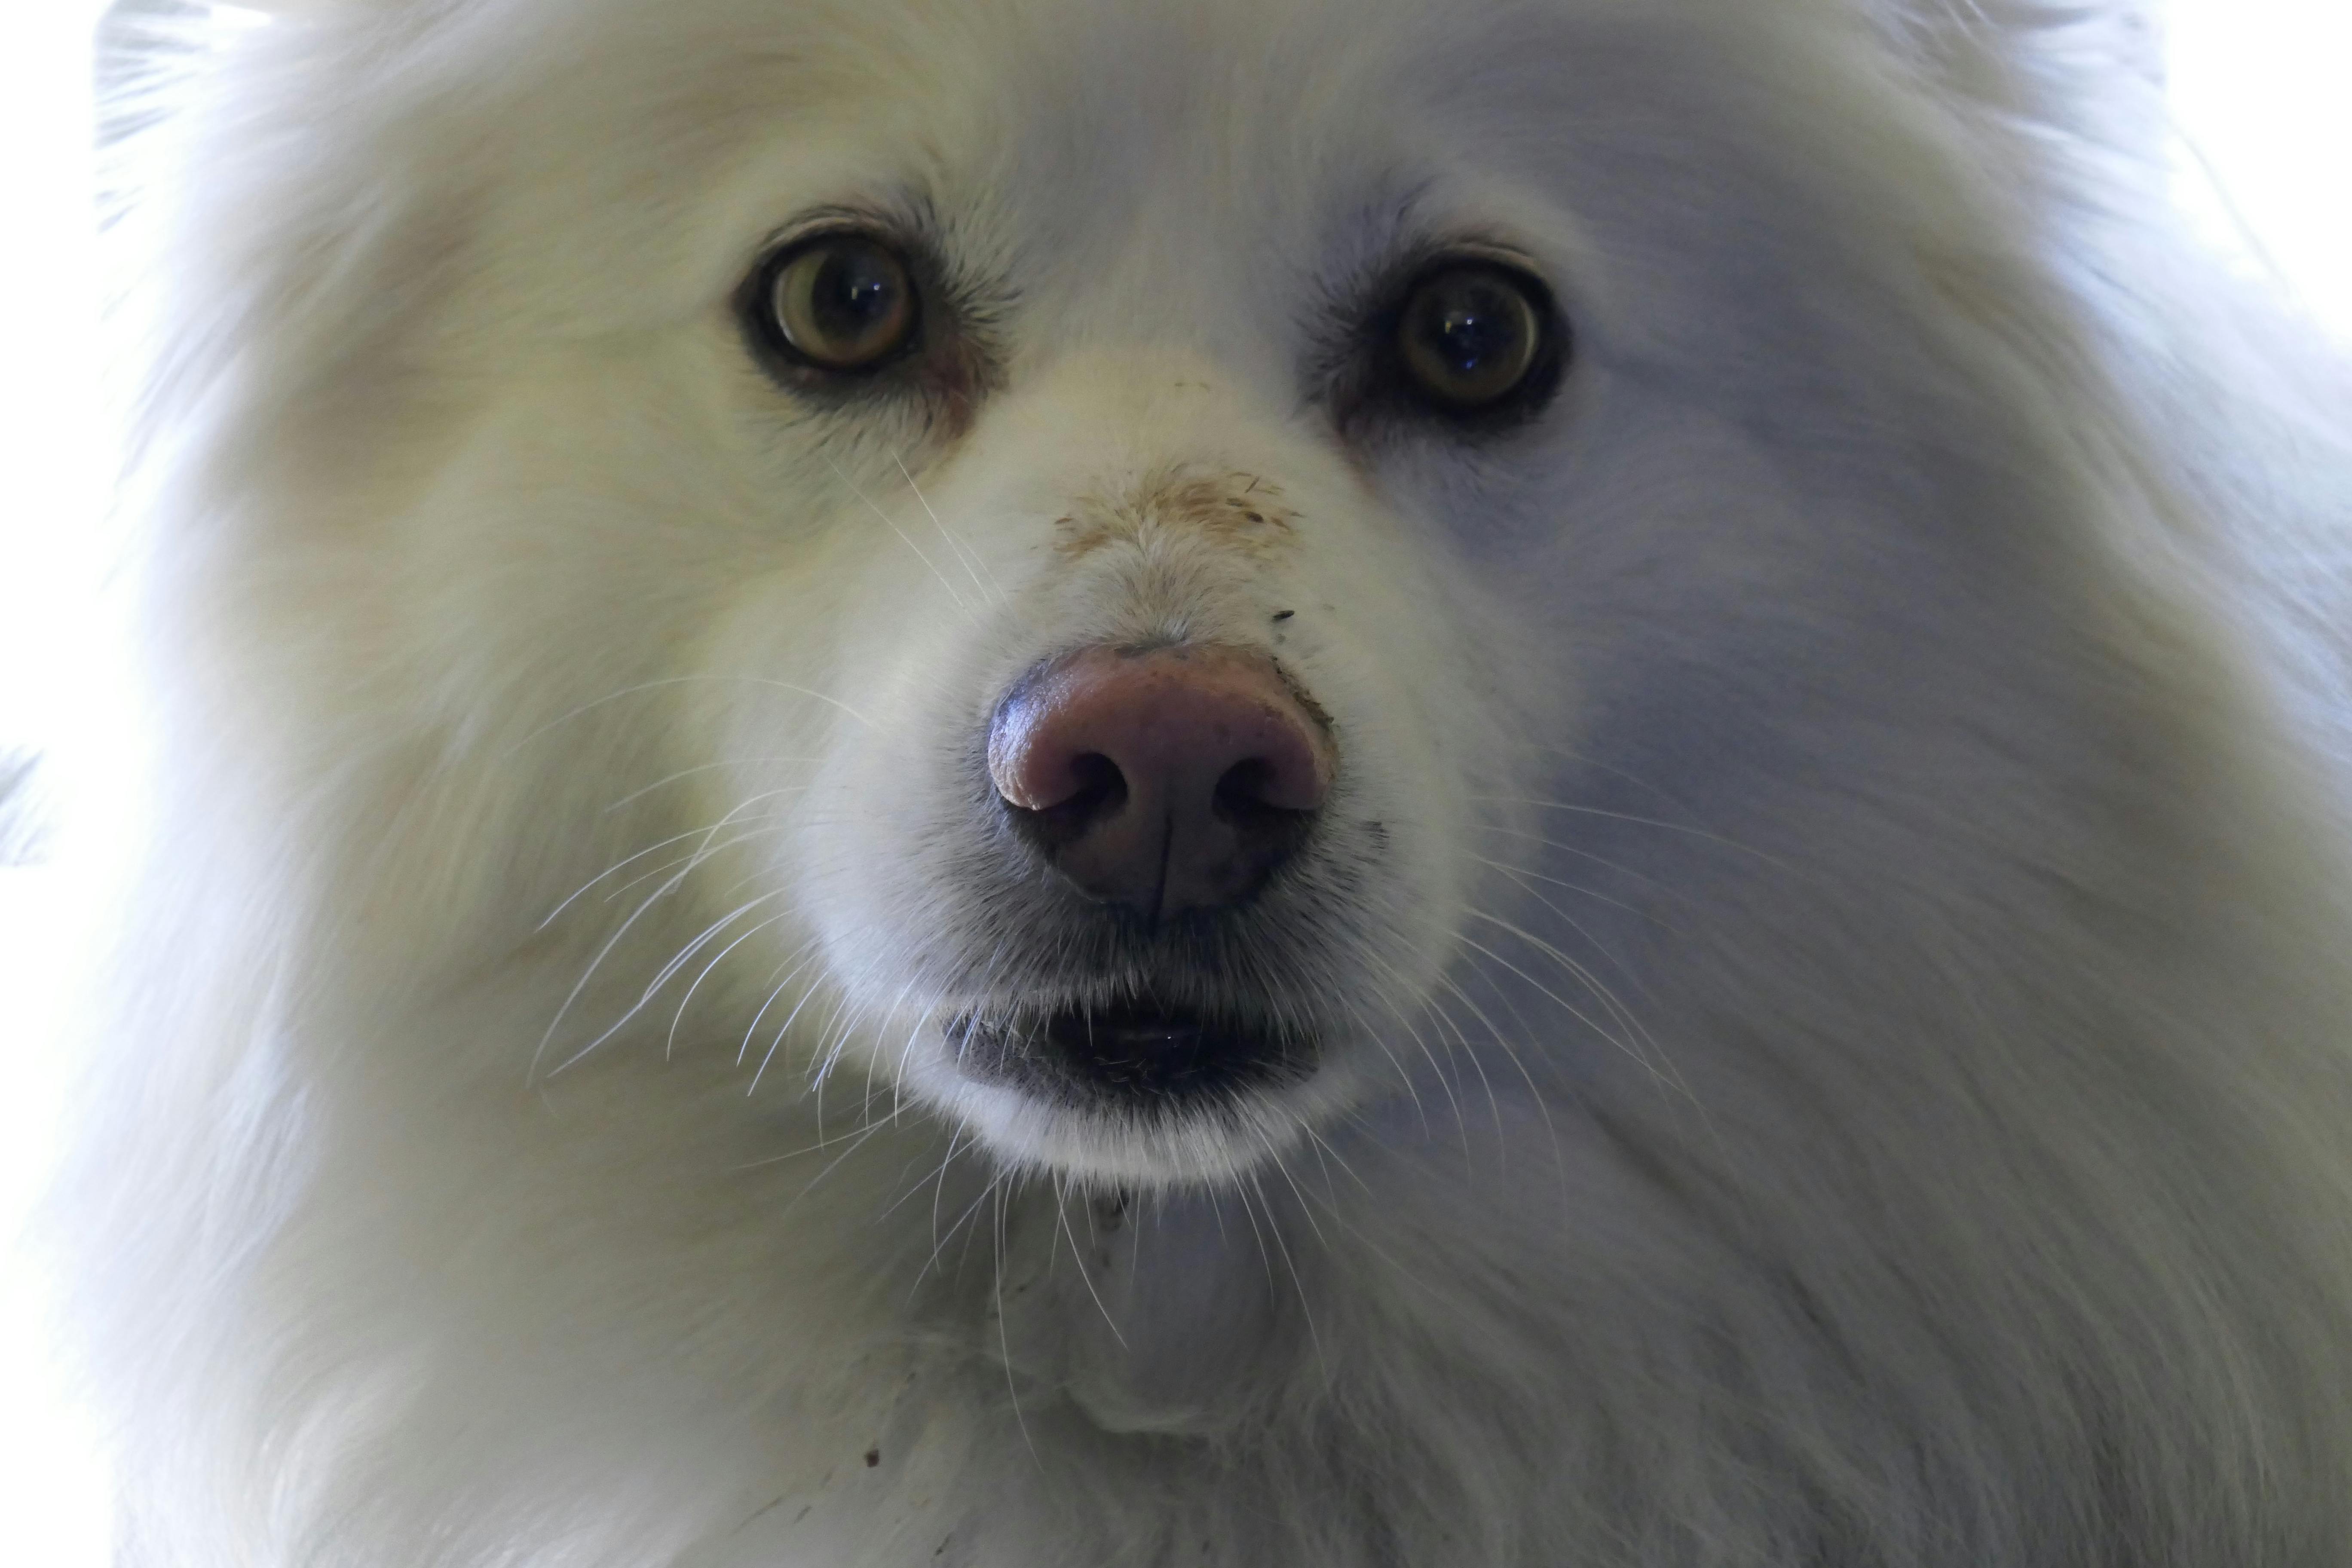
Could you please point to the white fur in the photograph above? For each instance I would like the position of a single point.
(1838, 1059)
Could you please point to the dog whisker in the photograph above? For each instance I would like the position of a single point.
(974, 562)
(950, 588)
(639, 794)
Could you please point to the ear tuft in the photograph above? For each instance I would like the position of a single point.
(2089, 68)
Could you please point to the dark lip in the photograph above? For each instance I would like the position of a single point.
(1130, 1052)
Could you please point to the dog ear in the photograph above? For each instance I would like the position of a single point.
(2087, 69)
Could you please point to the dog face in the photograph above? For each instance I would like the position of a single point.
(1071, 519)
(1145, 837)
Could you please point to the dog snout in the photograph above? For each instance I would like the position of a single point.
(1167, 779)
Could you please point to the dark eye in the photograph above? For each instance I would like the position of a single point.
(1472, 335)
(840, 302)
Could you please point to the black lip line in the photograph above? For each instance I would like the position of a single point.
(1129, 1052)
(999, 1018)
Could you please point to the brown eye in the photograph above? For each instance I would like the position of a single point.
(1471, 335)
(842, 303)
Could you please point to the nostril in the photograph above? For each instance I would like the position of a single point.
(1264, 832)
(1082, 782)
(1247, 793)
(1093, 788)
(1101, 787)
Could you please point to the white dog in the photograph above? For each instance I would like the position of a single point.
(1402, 782)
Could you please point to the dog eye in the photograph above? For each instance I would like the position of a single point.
(840, 302)
(1472, 333)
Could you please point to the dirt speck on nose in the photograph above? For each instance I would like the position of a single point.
(1235, 510)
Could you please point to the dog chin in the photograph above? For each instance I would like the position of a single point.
(1177, 1149)
(1147, 1141)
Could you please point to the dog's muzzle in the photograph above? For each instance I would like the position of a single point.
(1166, 786)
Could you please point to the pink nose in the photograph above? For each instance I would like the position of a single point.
(1172, 779)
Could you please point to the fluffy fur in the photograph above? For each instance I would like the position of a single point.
(1830, 945)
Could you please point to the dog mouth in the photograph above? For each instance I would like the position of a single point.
(1136, 1054)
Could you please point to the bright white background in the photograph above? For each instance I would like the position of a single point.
(2257, 89)
(53, 1513)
